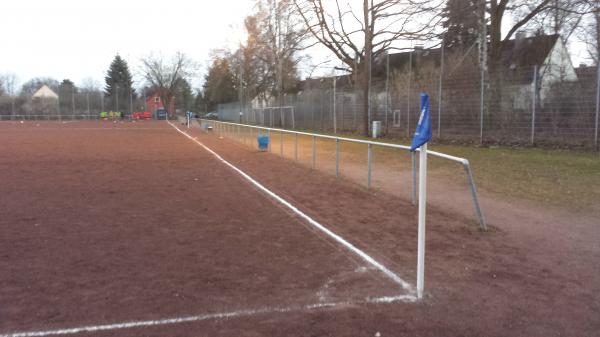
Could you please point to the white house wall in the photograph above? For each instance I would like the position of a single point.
(556, 68)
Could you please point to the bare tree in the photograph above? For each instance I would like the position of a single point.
(10, 82)
(524, 12)
(266, 63)
(589, 34)
(356, 37)
(164, 75)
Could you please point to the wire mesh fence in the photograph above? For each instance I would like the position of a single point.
(539, 104)
(77, 105)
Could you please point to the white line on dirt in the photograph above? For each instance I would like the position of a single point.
(405, 285)
(205, 317)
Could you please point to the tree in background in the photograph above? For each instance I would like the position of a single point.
(200, 103)
(184, 97)
(119, 84)
(526, 12)
(164, 76)
(462, 23)
(66, 96)
(358, 36)
(30, 87)
(523, 14)
(265, 65)
(219, 83)
(589, 34)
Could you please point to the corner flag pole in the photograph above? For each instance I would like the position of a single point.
(420, 139)
(422, 213)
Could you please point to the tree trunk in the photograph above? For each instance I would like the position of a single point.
(366, 78)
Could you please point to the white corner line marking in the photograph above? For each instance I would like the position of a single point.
(206, 317)
(405, 285)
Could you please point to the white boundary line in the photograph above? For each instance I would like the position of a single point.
(405, 285)
(241, 313)
(205, 317)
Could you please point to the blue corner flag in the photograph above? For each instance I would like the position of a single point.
(423, 131)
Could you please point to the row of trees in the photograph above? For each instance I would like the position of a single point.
(265, 65)
(361, 31)
(167, 78)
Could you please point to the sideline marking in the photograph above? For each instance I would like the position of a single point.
(206, 317)
(405, 285)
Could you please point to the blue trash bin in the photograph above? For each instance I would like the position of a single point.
(263, 142)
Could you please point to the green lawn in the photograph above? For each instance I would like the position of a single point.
(560, 178)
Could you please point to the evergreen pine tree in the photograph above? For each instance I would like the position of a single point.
(119, 85)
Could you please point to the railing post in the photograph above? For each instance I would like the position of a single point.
(369, 155)
(471, 183)
(413, 157)
(296, 147)
(337, 158)
(314, 152)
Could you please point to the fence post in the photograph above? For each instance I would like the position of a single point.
(597, 104)
(408, 94)
(314, 152)
(296, 147)
(334, 111)
(281, 143)
(534, 104)
(369, 155)
(440, 84)
(413, 157)
(337, 158)
(293, 118)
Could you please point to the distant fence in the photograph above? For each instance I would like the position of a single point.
(67, 105)
(526, 105)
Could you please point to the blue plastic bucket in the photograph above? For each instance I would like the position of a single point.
(263, 142)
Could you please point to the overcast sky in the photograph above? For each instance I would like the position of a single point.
(78, 39)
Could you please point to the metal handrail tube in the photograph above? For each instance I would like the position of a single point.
(465, 163)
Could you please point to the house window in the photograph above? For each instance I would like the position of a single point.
(156, 99)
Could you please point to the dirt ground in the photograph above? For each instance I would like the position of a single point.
(114, 222)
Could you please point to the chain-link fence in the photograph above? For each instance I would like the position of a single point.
(539, 104)
(77, 105)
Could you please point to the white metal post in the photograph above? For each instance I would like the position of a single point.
(337, 158)
(534, 103)
(314, 152)
(440, 84)
(597, 105)
(369, 155)
(296, 146)
(422, 213)
(281, 143)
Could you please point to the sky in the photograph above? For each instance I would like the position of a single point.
(78, 39)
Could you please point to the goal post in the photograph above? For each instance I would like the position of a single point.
(275, 116)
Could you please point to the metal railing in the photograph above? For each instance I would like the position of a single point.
(228, 128)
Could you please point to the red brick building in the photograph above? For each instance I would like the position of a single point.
(154, 103)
